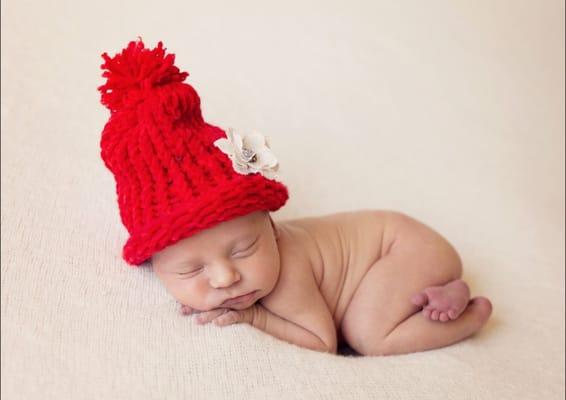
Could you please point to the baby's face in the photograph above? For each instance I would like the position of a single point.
(231, 259)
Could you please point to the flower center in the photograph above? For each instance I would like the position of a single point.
(249, 155)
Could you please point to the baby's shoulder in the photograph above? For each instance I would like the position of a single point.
(334, 238)
(316, 224)
(296, 275)
(338, 228)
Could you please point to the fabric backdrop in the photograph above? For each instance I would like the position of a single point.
(451, 112)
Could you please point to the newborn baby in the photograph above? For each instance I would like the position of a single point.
(196, 202)
(362, 277)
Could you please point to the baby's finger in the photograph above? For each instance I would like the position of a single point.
(229, 318)
(186, 310)
(206, 316)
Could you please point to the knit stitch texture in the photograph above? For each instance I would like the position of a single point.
(171, 181)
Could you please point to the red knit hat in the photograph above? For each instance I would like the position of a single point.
(172, 179)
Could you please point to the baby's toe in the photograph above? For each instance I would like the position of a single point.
(434, 315)
(427, 312)
(452, 314)
(419, 299)
(443, 317)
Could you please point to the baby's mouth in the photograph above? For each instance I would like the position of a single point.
(240, 299)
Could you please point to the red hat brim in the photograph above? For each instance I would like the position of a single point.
(242, 195)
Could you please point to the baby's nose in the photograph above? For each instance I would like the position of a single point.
(224, 277)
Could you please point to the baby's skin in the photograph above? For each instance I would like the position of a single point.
(378, 280)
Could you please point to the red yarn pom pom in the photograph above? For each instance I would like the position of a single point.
(135, 71)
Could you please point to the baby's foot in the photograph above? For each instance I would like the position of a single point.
(443, 303)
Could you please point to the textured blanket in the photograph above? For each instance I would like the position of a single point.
(451, 112)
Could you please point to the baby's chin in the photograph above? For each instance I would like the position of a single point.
(241, 306)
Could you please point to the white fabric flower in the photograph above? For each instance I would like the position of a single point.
(249, 154)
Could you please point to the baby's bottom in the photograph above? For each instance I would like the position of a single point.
(381, 318)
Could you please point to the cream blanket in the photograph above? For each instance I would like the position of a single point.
(452, 112)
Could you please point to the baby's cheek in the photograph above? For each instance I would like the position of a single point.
(192, 293)
(268, 272)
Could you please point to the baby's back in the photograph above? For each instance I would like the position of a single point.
(341, 248)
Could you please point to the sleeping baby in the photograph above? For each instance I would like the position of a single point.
(197, 202)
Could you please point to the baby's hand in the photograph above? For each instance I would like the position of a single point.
(221, 316)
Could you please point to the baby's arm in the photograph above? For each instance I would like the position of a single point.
(320, 340)
(274, 325)
(295, 312)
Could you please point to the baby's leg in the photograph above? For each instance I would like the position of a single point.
(418, 333)
(381, 318)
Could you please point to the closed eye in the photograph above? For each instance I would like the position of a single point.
(247, 248)
(191, 272)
